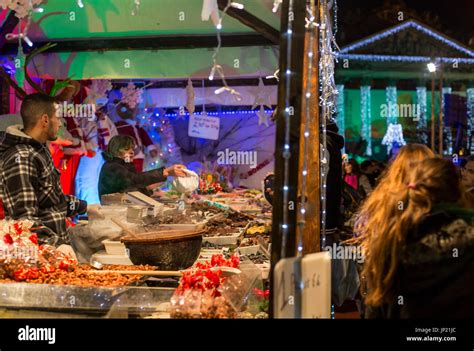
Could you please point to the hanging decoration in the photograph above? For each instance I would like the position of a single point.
(275, 75)
(328, 95)
(210, 9)
(365, 113)
(391, 99)
(341, 114)
(136, 7)
(216, 67)
(262, 116)
(393, 137)
(261, 95)
(98, 90)
(276, 5)
(447, 132)
(190, 106)
(22, 9)
(131, 95)
(421, 121)
(470, 120)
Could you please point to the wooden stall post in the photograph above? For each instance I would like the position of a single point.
(311, 231)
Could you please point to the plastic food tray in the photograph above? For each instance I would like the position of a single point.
(114, 247)
(249, 250)
(223, 240)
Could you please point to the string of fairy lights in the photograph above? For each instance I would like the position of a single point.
(289, 110)
(216, 67)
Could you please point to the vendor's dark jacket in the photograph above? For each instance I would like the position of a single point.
(118, 176)
(436, 273)
(30, 186)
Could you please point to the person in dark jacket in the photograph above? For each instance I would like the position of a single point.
(334, 145)
(419, 259)
(29, 182)
(118, 174)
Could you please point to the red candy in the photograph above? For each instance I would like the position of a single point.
(203, 278)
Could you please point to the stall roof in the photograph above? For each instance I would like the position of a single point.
(113, 18)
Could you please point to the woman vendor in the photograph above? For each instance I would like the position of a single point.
(118, 174)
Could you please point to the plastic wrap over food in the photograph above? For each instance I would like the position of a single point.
(86, 239)
(22, 258)
(219, 288)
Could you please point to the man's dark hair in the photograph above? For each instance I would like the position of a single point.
(34, 106)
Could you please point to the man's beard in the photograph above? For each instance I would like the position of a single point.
(52, 136)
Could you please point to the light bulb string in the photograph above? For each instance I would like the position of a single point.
(216, 67)
(328, 101)
(286, 152)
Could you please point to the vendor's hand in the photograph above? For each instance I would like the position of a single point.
(175, 171)
(158, 193)
(154, 186)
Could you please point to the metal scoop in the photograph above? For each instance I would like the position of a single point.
(96, 264)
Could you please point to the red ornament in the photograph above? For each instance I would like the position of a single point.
(33, 238)
(7, 239)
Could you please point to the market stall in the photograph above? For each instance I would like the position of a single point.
(224, 223)
(199, 246)
(205, 247)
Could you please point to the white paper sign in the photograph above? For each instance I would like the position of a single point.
(204, 127)
(284, 304)
(316, 296)
(316, 271)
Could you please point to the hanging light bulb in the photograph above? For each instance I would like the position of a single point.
(27, 40)
(220, 90)
(237, 5)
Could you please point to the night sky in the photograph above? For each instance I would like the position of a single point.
(360, 18)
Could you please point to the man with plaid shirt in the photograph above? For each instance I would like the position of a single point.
(29, 182)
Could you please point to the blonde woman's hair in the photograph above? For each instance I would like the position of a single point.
(395, 175)
(429, 182)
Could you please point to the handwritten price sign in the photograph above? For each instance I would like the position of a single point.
(204, 127)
